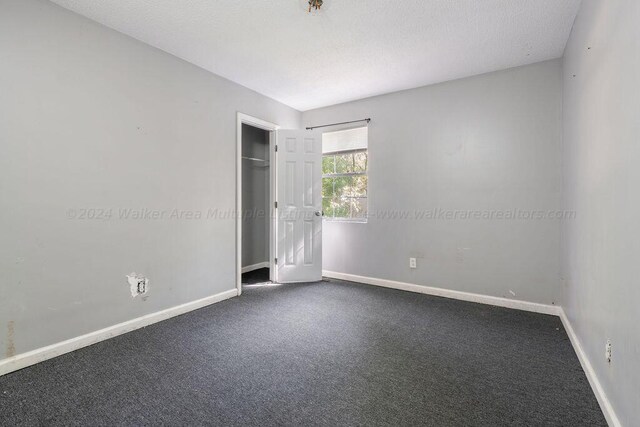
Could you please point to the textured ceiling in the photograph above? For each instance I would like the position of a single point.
(351, 50)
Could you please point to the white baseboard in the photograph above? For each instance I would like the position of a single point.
(41, 354)
(459, 295)
(604, 402)
(253, 267)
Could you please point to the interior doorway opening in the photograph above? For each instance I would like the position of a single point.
(256, 166)
(255, 224)
(292, 172)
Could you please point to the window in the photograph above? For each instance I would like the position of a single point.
(344, 175)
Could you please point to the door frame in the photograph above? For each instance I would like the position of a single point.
(241, 119)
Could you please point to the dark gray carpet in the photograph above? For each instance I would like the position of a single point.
(317, 354)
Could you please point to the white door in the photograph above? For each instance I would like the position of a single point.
(299, 197)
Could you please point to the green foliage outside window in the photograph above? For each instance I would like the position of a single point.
(344, 185)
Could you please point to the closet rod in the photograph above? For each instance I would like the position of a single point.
(337, 124)
(254, 159)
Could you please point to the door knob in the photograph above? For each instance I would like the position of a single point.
(318, 213)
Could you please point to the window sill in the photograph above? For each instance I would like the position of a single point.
(345, 220)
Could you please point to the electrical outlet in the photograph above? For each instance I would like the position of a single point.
(607, 351)
(413, 263)
(142, 286)
(138, 284)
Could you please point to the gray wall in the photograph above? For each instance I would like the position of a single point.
(255, 196)
(92, 119)
(601, 155)
(491, 142)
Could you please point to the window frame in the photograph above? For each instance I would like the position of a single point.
(348, 174)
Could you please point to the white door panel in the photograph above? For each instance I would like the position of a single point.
(299, 206)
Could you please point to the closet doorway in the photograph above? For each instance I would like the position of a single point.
(256, 197)
(284, 242)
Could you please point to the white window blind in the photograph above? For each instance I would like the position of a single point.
(345, 140)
